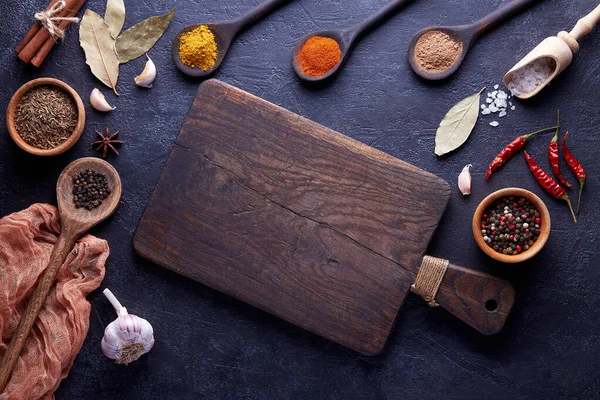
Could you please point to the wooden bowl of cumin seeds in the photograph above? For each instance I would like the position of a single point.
(45, 117)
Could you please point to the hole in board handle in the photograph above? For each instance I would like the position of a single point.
(491, 305)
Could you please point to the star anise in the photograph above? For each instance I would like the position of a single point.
(107, 142)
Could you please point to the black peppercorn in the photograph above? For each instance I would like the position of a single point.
(89, 189)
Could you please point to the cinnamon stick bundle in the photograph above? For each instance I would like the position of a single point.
(37, 42)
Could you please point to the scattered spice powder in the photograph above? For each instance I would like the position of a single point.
(319, 55)
(198, 48)
(437, 51)
(46, 117)
(511, 225)
(89, 189)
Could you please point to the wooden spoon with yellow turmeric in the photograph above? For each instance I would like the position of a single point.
(198, 50)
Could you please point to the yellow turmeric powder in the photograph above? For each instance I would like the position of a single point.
(198, 48)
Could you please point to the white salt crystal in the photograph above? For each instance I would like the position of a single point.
(494, 123)
(513, 108)
(529, 77)
(497, 100)
(500, 103)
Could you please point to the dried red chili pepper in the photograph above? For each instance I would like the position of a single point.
(510, 149)
(553, 154)
(548, 183)
(575, 166)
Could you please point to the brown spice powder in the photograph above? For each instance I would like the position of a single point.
(46, 117)
(437, 51)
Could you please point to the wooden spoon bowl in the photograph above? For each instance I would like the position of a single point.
(82, 219)
(465, 34)
(544, 226)
(12, 107)
(344, 39)
(224, 33)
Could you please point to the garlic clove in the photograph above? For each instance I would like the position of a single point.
(464, 180)
(128, 337)
(99, 102)
(147, 76)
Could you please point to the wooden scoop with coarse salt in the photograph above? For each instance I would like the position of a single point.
(74, 223)
(555, 53)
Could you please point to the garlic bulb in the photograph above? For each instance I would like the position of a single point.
(464, 180)
(128, 337)
(99, 102)
(147, 76)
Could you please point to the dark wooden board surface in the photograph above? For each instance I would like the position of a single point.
(291, 217)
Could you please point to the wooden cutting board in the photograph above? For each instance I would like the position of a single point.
(303, 222)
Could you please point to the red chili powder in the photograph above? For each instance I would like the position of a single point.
(319, 55)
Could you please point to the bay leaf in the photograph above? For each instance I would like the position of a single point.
(137, 40)
(99, 48)
(457, 124)
(114, 16)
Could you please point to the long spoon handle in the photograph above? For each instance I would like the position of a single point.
(586, 24)
(380, 16)
(257, 13)
(35, 304)
(491, 20)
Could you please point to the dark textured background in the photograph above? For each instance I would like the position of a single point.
(211, 346)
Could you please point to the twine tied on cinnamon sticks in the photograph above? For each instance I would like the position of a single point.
(48, 19)
(49, 27)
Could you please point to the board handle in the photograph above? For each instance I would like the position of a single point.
(481, 300)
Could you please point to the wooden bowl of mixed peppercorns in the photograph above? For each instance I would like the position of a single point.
(45, 117)
(511, 225)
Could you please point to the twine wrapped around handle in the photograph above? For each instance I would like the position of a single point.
(429, 278)
(50, 21)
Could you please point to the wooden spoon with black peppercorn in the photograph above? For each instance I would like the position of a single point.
(76, 218)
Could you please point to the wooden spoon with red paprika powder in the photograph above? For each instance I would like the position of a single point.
(316, 58)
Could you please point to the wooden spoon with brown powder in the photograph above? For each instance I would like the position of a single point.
(436, 52)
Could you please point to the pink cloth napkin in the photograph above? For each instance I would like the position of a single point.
(26, 241)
